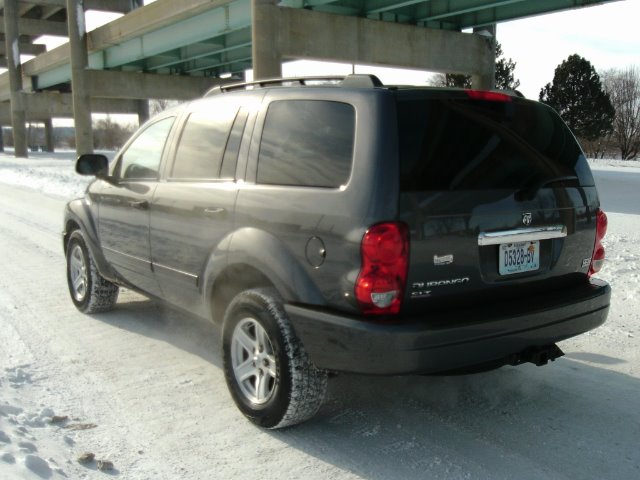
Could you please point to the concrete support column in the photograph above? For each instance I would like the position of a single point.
(14, 67)
(488, 80)
(265, 50)
(48, 135)
(143, 111)
(79, 64)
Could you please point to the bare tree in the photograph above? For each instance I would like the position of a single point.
(110, 135)
(158, 105)
(623, 87)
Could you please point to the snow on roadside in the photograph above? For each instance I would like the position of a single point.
(35, 440)
(604, 163)
(28, 443)
(52, 174)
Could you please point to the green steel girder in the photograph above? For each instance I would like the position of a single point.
(196, 29)
(215, 23)
(381, 6)
(445, 14)
(513, 10)
(216, 58)
(246, 60)
(222, 44)
(440, 9)
(317, 3)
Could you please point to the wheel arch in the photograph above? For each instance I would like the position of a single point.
(255, 259)
(78, 216)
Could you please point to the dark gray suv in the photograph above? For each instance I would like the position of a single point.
(348, 226)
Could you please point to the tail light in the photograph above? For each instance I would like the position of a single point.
(383, 276)
(489, 96)
(597, 259)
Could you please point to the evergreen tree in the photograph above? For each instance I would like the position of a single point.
(578, 96)
(457, 80)
(504, 71)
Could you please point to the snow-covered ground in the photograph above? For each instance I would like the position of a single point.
(142, 386)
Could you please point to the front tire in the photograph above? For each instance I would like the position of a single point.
(268, 372)
(90, 292)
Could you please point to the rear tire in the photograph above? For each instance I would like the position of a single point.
(268, 372)
(90, 292)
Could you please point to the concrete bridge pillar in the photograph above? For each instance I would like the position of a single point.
(48, 135)
(143, 111)
(265, 50)
(18, 117)
(487, 80)
(79, 65)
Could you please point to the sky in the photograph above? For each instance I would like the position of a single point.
(606, 35)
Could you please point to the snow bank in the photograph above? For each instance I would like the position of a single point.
(52, 174)
(607, 163)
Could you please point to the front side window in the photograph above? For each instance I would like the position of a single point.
(307, 143)
(141, 160)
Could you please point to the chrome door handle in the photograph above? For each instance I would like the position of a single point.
(140, 205)
(214, 212)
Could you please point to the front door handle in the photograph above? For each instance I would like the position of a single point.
(214, 212)
(140, 205)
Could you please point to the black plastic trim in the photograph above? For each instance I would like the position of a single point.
(442, 341)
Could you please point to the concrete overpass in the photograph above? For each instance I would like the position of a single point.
(173, 49)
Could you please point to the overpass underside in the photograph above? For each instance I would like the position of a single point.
(178, 49)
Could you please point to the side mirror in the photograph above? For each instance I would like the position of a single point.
(93, 164)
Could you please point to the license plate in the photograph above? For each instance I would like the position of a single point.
(519, 257)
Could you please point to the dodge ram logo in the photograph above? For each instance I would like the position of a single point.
(526, 218)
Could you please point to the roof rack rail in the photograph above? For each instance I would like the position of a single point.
(272, 81)
(354, 80)
(360, 80)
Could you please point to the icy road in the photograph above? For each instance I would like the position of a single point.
(142, 387)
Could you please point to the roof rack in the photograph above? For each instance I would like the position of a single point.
(351, 81)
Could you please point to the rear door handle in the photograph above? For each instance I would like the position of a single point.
(140, 205)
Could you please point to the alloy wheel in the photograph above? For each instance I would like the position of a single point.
(253, 361)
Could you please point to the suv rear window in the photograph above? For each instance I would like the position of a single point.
(454, 143)
(307, 143)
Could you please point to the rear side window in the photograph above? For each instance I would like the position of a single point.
(464, 144)
(307, 143)
(202, 143)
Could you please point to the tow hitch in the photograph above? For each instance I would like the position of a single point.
(537, 355)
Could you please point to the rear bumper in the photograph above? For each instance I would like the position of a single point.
(442, 341)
